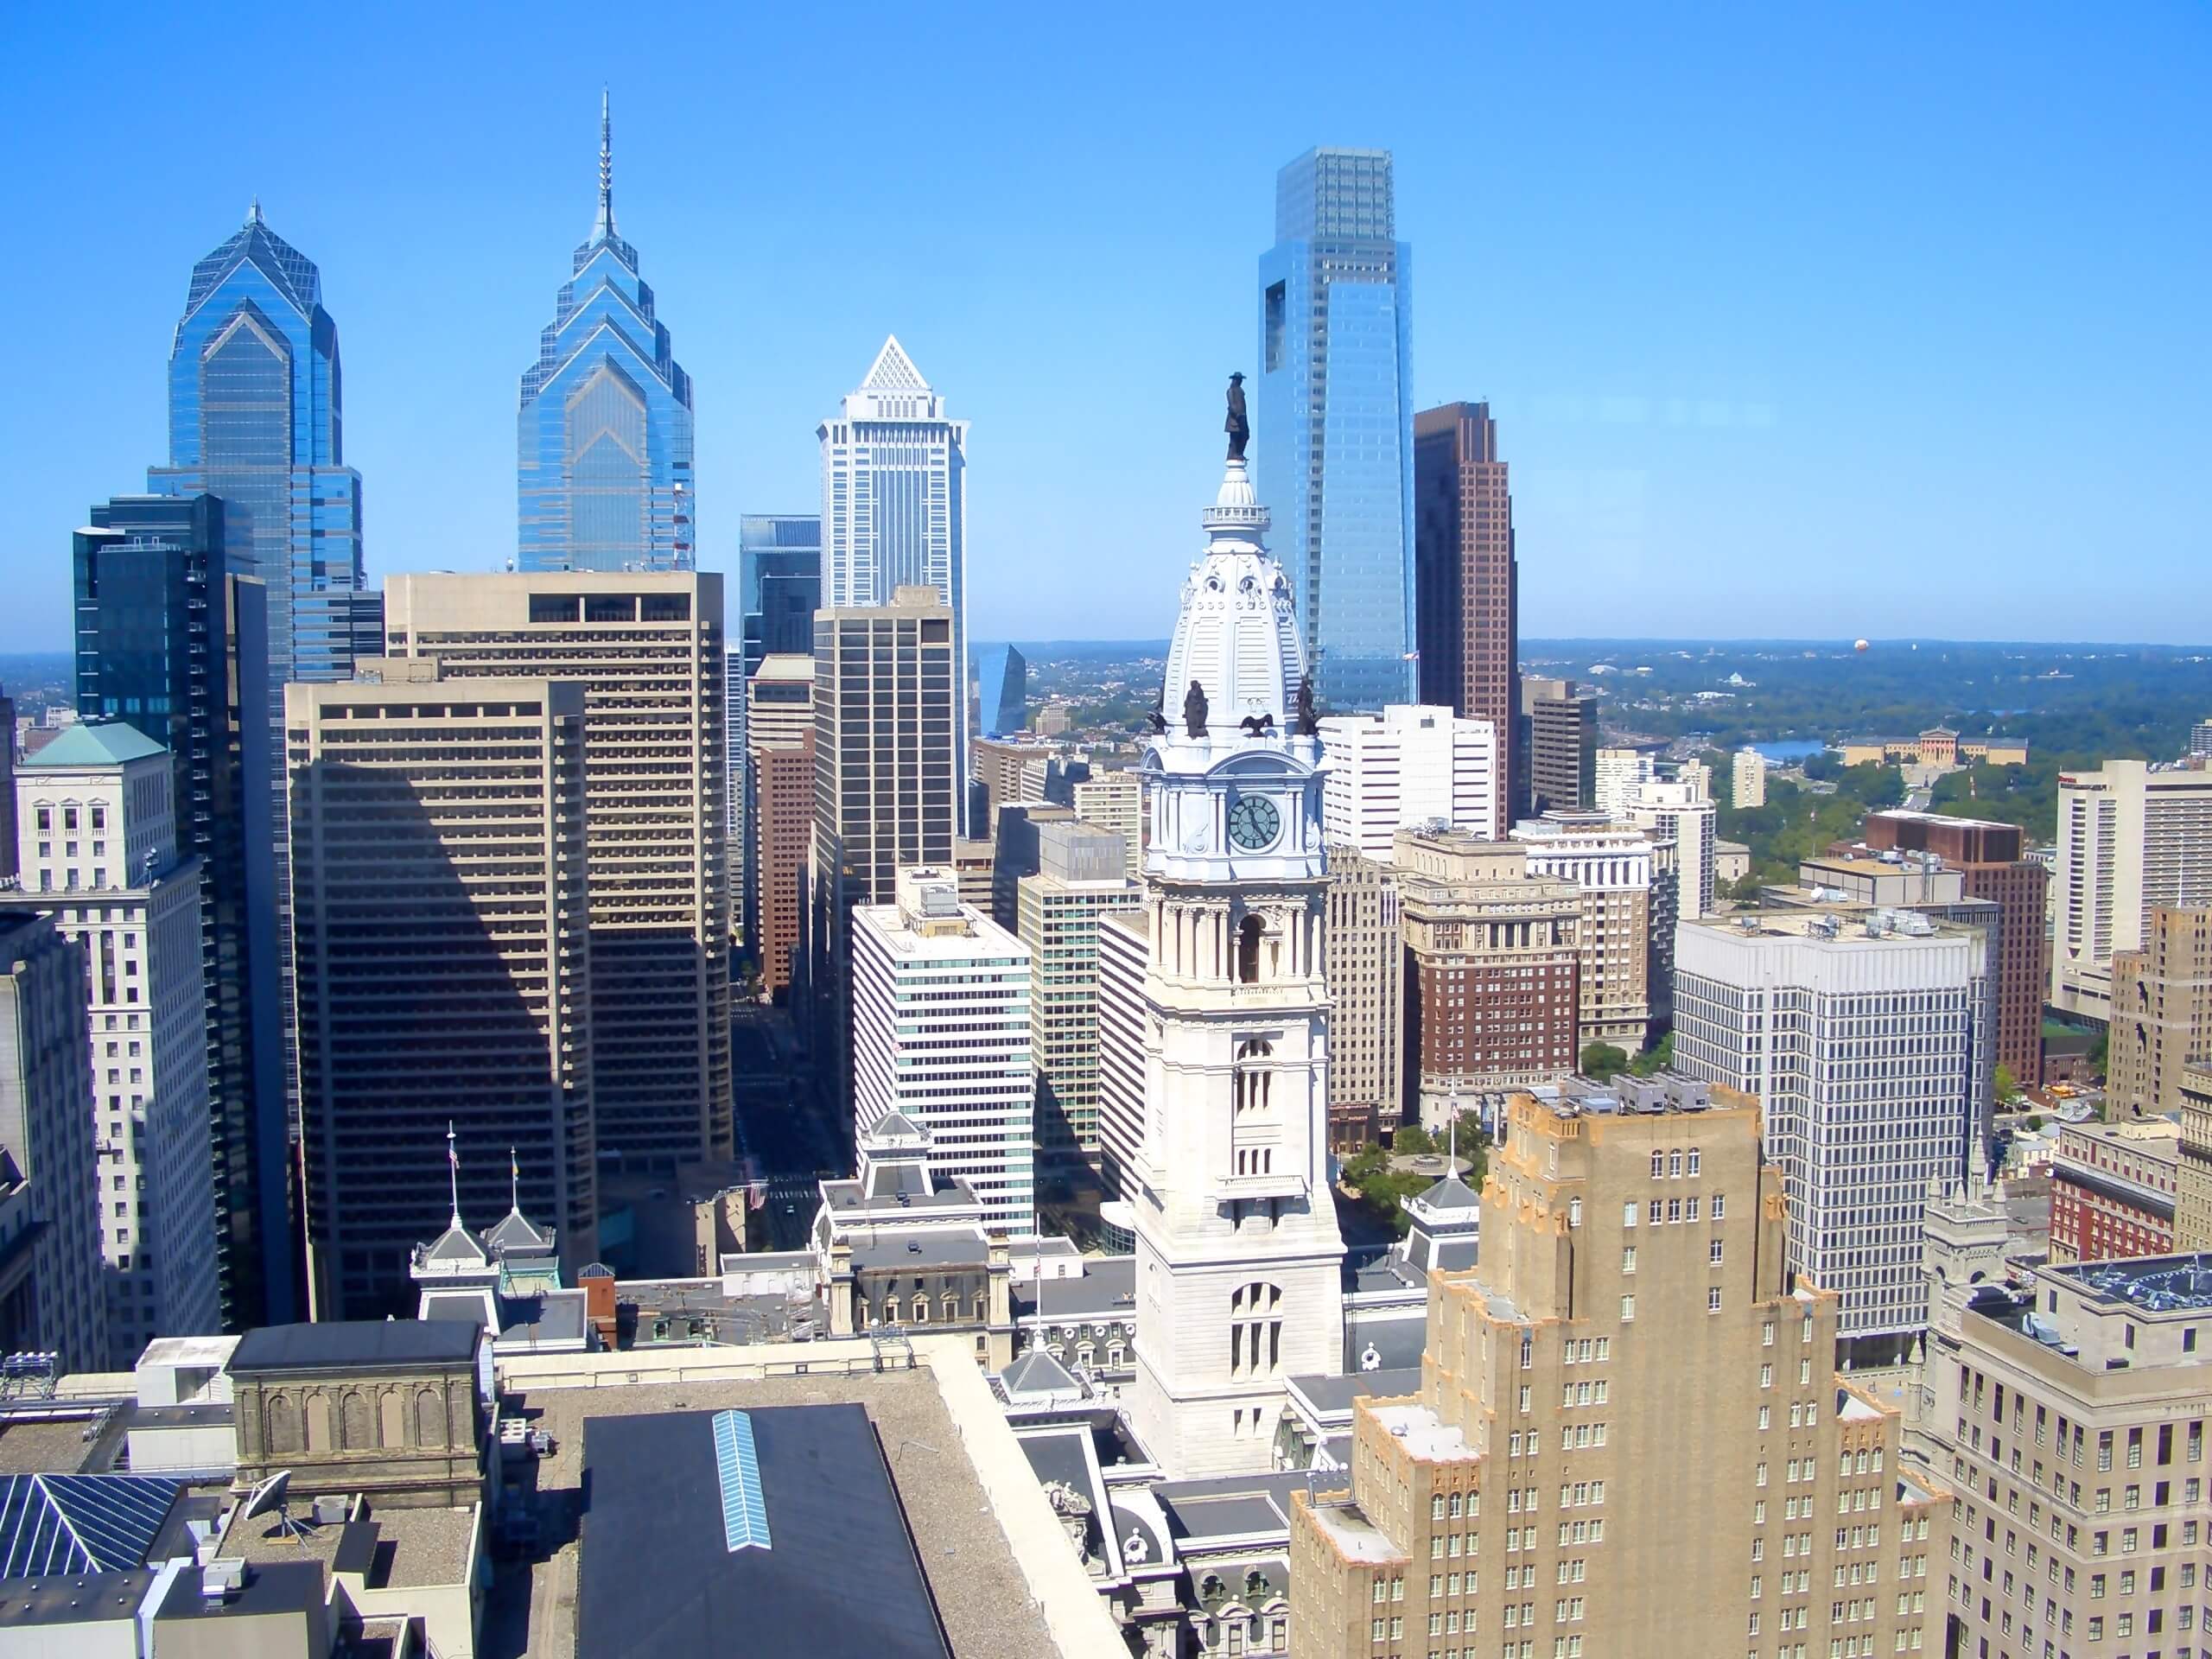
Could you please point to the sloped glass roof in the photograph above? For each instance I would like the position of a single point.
(80, 1523)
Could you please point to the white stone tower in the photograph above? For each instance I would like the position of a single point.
(1238, 1255)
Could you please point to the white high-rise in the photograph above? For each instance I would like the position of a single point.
(1865, 1034)
(1748, 779)
(894, 508)
(1405, 766)
(941, 1033)
(2131, 837)
(97, 837)
(1681, 810)
(1238, 1258)
(1618, 774)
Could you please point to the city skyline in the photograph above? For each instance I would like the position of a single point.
(1677, 375)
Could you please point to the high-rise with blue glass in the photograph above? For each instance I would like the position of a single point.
(605, 432)
(778, 590)
(1334, 426)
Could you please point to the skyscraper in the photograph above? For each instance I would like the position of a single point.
(1557, 743)
(1335, 426)
(1081, 879)
(2131, 837)
(605, 430)
(778, 590)
(169, 643)
(445, 954)
(1407, 765)
(780, 815)
(894, 511)
(1466, 584)
(1003, 674)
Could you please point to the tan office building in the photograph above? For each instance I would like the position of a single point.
(1363, 957)
(2193, 1180)
(2161, 1011)
(1630, 1438)
(647, 649)
(1610, 867)
(1114, 800)
(443, 951)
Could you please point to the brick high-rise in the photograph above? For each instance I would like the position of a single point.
(1465, 583)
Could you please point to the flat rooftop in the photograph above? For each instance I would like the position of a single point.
(1847, 923)
(1357, 1538)
(2156, 1284)
(1422, 1433)
(399, 1547)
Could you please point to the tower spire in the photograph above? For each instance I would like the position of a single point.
(452, 1167)
(603, 226)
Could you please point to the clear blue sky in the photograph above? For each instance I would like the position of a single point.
(1798, 321)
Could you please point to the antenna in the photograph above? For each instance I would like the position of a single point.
(269, 1498)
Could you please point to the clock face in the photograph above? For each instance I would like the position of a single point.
(1254, 823)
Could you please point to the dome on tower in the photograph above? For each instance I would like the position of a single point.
(1237, 634)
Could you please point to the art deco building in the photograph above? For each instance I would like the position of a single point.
(1335, 422)
(1630, 1436)
(2193, 1179)
(1610, 866)
(604, 434)
(647, 651)
(2161, 1015)
(445, 954)
(1466, 579)
(2131, 837)
(1406, 766)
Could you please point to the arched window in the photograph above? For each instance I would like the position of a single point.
(921, 1310)
(281, 1426)
(354, 1423)
(1248, 950)
(430, 1418)
(1115, 1355)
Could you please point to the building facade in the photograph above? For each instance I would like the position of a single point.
(2131, 837)
(2161, 1015)
(1363, 957)
(647, 651)
(1115, 801)
(1406, 766)
(1610, 864)
(604, 433)
(780, 815)
(941, 1034)
(101, 851)
(1558, 743)
(170, 642)
(1681, 810)
(1617, 773)
(1864, 1035)
(2193, 1178)
(1238, 1259)
(1003, 681)
(2114, 1190)
(1335, 422)
(1124, 956)
(1747, 780)
(445, 967)
(778, 590)
(1466, 585)
(1080, 881)
(894, 510)
(1531, 1497)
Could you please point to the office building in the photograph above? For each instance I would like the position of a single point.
(604, 433)
(1531, 1495)
(1617, 773)
(1239, 1262)
(941, 1034)
(1363, 957)
(1610, 864)
(1124, 954)
(1016, 851)
(7, 785)
(1559, 740)
(2161, 1011)
(782, 688)
(1010, 770)
(1466, 584)
(2131, 837)
(1864, 1035)
(1335, 422)
(886, 730)
(1748, 780)
(447, 961)
(2200, 738)
(47, 1142)
(894, 511)
(1055, 719)
(1405, 766)
(1491, 980)
(100, 851)
(1115, 801)
(2114, 1188)
(974, 869)
(1679, 810)
(778, 590)
(1002, 682)
(1081, 877)
(647, 651)
(2092, 1372)
(780, 815)
(1993, 859)
(2193, 1183)
(169, 642)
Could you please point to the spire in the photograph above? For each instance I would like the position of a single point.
(452, 1167)
(514, 1181)
(253, 212)
(603, 228)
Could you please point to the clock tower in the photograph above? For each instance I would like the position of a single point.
(1238, 1259)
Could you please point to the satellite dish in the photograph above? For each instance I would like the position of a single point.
(268, 1497)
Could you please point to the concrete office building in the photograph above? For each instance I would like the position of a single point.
(101, 850)
(1406, 766)
(941, 1033)
(47, 1137)
(2131, 837)
(1747, 780)
(1558, 742)
(2193, 1184)
(446, 962)
(779, 812)
(1491, 983)
(2093, 1376)
(1115, 801)
(1610, 867)
(1011, 771)
(1681, 810)
(1124, 954)
(1629, 1435)
(1016, 851)
(1080, 878)
(1363, 956)
(974, 869)
(1466, 612)
(648, 652)
(1864, 1035)
(2161, 1011)
(1617, 773)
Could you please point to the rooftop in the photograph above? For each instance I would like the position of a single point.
(93, 743)
(2156, 1284)
(1353, 1536)
(1423, 1433)
(1848, 924)
(400, 1548)
(359, 1343)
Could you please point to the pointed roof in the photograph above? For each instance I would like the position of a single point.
(893, 371)
(456, 1245)
(80, 1523)
(517, 1235)
(1037, 1372)
(603, 229)
(292, 273)
(96, 743)
(1451, 1193)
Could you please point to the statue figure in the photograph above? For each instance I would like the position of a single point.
(1194, 710)
(1157, 720)
(1308, 722)
(1237, 426)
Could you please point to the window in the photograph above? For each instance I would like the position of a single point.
(1712, 1257)
(1712, 1300)
(1719, 1205)
(1628, 1214)
(1658, 1164)
(1693, 1160)
(1628, 1309)
(1628, 1259)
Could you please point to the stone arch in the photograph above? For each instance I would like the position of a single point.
(353, 1421)
(391, 1416)
(430, 1418)
(322, 1436)
(280, 1426)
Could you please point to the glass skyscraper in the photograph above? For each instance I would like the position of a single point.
(1334, 425)
(778, 590)
(1003, 674)
(605, 432)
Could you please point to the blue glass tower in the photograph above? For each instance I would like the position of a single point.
(605, 433)
(778, 590)
(1003, 675)
(1334, 425)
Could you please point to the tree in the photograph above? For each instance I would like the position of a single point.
(1602, 1062)
(1411, 1138)
(2007, 1087)
(1654, 1060)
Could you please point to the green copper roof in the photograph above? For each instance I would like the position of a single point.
(101, 743)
